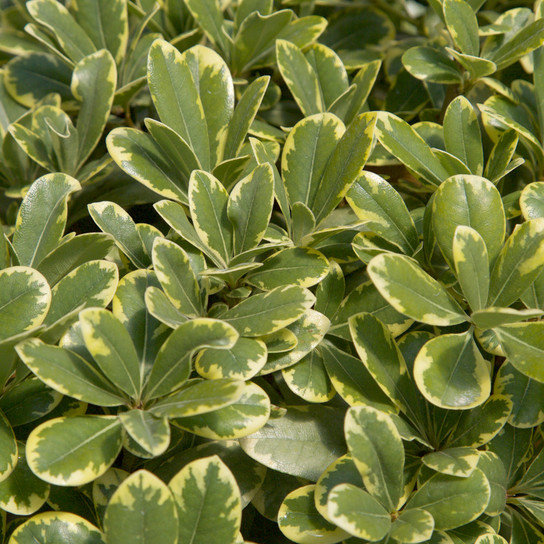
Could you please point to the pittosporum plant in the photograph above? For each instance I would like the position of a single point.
(271, 272)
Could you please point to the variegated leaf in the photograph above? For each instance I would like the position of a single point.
(299, 520)
(413, 292)
(242, 361)
(296, 266)
(42, 217)
(177, 278)
(453, 461)
(358, 512)
(250, 206)
(112, 219)
(376, 448)
(452, 501)
(70, 451)
(25, 298)
(172, 366)
(113, 350)
(243, 417)
(451, 373)
(149, 432)
(54, 527)
(143, 510)
(207, 501)
(68, 373)
(8, 448)
(413, 526)
(268, 312)
(198, 397)
(22, 493)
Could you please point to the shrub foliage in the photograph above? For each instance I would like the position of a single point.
(271, 272)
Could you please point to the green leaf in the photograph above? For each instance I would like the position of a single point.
(32, 77)
(376, 448)
(413, 292)
(478, 426)
(106, 23)
(384, 361)
(351, 379)
(172, 366)
(309, 331)
(149, 432)
(54, 527)
(462, 26)
(143, 510)
(243, 417)
(42, 217)
(412, 526)
(402, 141)
(72, 451)
(8, 448)
(383, 211)
(68, 373)
(256, 37)
(493, 317)
(451, 373)
(299, 520)
(208, 202)
(518, 264)
(129, 307)
(207, 502)
(452, 501)
(90, 284)
(93, 84)
(243, 116)
(177, 278)
(501, 155)
(531, 200)
(300, 266)
(527, 396)
(73, 252)
(113, 350)
(215, 87)
(207, 14)
(358, 513)
(459, 462)
(250, 206)
(57, 19)
(478, 205)
(344, 165)
(493, 468)
(471, 263)
(22, 493)
(198, 397)
(144, 159)
(112, 219)
(307, 151)
(25, 298)
(523, 344)
(477, 67)
(302, 443)
(242, 361)
(28, 401)
(527, 39)
(461, 129)
(300, 78)
(432, 65)
(309, 379)
(176, 97)
(268, 312)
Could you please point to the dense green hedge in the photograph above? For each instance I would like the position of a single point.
(272, 271)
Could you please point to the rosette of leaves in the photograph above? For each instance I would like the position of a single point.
(58, 38)
(371, 493)
(461, 59)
